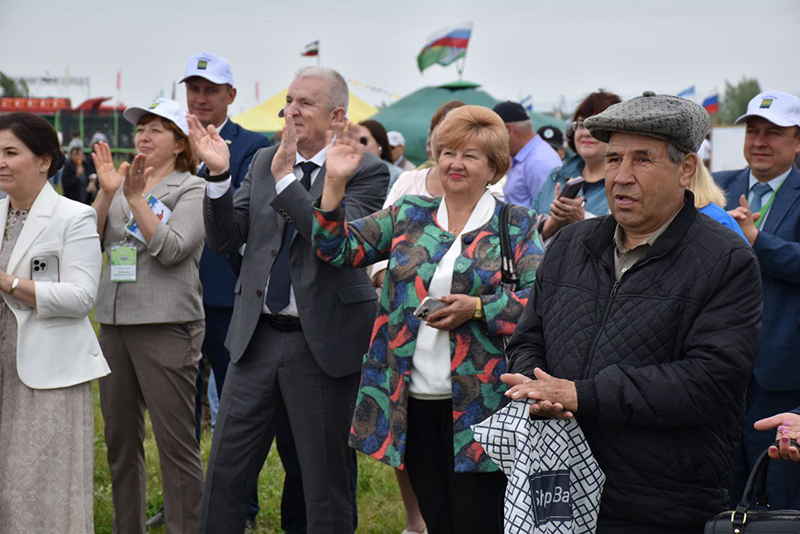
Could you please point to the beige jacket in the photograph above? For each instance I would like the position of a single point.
(167, 287)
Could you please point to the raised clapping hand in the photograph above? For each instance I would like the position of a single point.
(209, 146)
(286, 155)
(746, 219)
(107, 175)
(344, 156)
(136, 177)
(555, 397)
(788, 425)
(344, 153)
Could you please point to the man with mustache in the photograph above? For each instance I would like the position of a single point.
(765, 200)
(644, 325)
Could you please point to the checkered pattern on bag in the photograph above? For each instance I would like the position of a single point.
(527, 449)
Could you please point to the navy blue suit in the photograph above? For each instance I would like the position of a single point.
(775, 387)
(218, 277)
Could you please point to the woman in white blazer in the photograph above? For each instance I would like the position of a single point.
(50, 263)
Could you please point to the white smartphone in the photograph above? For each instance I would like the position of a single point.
(44, 269)
(427, 307)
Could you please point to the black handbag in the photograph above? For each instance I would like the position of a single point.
(759, 520)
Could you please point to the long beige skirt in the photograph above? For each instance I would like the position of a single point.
(46, 450)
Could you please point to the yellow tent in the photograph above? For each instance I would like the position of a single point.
(264, 116)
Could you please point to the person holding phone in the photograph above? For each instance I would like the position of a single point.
(150, 310)
(50, 264)
(424, 382)
(561, 204)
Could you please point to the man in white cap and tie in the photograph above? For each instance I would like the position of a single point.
(210, 90)
(765, 200)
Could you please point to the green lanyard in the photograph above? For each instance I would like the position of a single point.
(765, 208)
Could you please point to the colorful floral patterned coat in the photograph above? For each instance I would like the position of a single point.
(409, 236)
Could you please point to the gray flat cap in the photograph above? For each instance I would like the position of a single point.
(665, 117)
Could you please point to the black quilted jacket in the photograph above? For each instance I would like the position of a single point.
(661, 359)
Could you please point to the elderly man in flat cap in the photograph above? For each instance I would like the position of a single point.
(644, 325)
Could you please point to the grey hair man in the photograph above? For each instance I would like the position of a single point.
(532, 158)
(644, 324)
(299, 328)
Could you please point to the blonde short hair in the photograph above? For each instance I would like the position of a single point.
(705, 189)
(481, 126)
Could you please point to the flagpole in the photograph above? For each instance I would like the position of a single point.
(464, 59)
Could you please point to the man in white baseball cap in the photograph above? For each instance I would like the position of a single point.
(398, 144)
(210, 90)
(765, 200)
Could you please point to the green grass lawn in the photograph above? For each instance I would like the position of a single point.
(379, 505)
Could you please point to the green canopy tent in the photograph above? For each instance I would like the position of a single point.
(412, 114)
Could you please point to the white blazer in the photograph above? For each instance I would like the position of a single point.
(56, 345)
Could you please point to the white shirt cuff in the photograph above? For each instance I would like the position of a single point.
(284, 182)
(217, 189)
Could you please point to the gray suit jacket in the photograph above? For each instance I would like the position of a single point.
(337, 307)
(167, 287)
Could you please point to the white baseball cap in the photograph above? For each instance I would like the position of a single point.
(778, 108)
(209, 66)
(163, 107)
(396, 138)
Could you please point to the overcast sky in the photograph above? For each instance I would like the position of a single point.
(518, 47)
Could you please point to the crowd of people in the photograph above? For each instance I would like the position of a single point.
(347, 300)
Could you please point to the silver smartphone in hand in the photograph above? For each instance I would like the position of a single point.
(427, 307)
(44, 269)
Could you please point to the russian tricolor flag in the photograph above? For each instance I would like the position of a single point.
(445, 46)
(712, 103)
(311, 49)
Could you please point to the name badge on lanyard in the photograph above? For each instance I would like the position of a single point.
(123, 262)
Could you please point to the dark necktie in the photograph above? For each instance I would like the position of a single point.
(759, 190)
(279, 277)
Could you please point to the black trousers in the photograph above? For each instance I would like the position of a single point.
(450, 502)
(278, 370)
(217, 322)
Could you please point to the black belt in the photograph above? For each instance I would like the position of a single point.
(282, 323)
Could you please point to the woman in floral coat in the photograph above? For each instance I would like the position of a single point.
(424, 383)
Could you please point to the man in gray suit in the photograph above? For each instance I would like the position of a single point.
(300, 326)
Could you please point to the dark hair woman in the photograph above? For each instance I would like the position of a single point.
(589, 163)
(373, 136)
(50, 263)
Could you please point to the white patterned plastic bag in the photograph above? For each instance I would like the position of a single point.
(554, 482)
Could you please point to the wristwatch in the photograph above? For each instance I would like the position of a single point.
(478, 313)
(14, 285)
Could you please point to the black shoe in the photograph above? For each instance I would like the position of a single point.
(157, 520)
(250, 526)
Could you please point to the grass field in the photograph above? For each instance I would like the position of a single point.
(379, 505)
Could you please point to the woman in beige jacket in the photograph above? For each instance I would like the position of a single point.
(151, 314)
